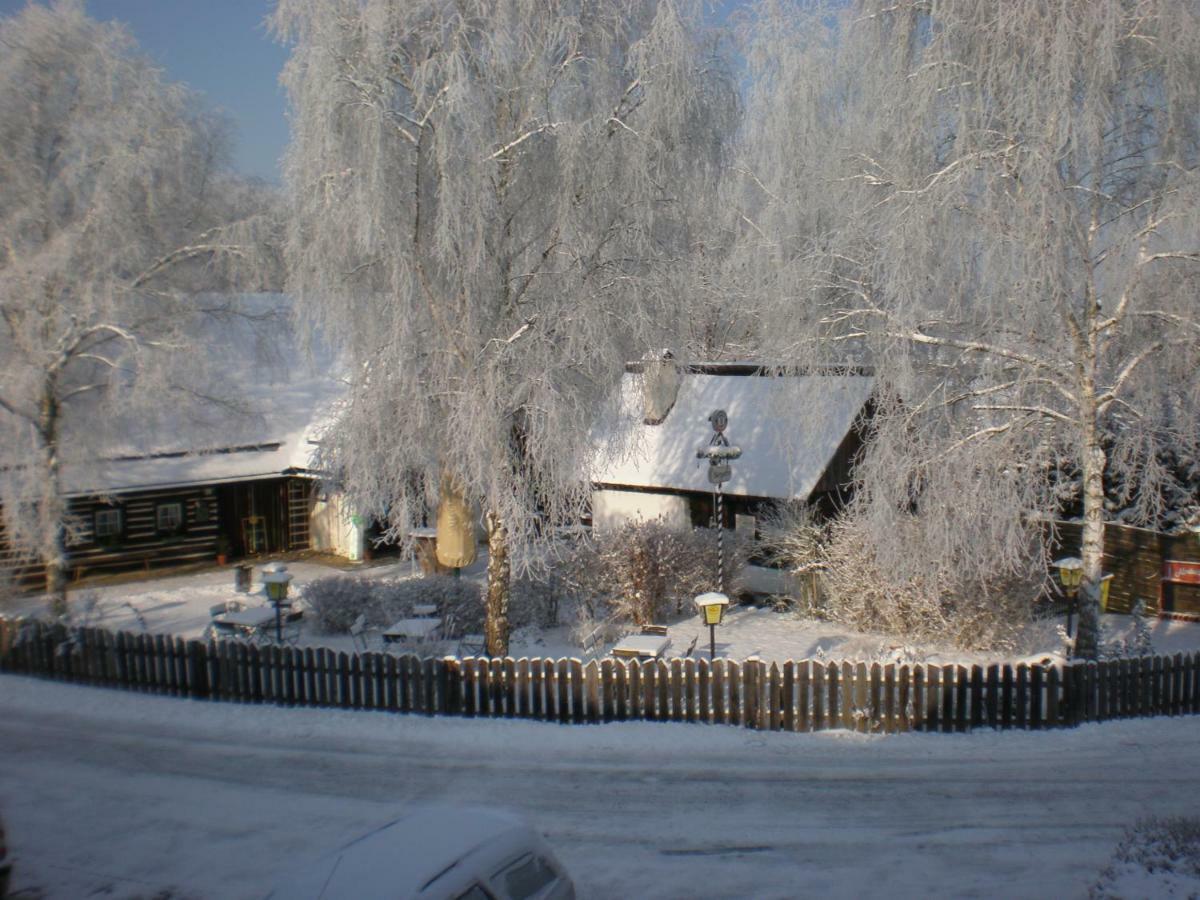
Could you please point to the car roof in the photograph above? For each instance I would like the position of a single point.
(406, 856)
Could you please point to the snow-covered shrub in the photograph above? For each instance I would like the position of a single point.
(647, 572)
(335, 602)
(1139, 643)
(790, 538)
(1156, 857)
(459, 597)
(535, 600)
(964, 603)
(338, 600)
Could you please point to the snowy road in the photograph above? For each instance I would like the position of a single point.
(137, 794)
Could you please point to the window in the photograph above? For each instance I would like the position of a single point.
(527, 877)
(108, 524)
(202, 511)
(168, 517)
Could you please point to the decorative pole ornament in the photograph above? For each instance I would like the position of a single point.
(719, 454)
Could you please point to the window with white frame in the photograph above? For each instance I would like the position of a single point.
(169, 517)
(108, 524)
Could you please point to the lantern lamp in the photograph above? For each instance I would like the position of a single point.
(1070, 574)
(277, 578)
(712, 606)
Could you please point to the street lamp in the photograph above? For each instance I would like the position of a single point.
(712, 608)
(1070, 574)
(277, 578)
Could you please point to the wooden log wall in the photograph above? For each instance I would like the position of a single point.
(791, 696)
(1135, 557)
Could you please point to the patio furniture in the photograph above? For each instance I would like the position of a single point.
(472, 645)
(424, 610)
(219, 609)
(660, 630)
(419, 629)
(642, 646)
(254, 622)
(358, 631)
(593, 639)
(692, 646)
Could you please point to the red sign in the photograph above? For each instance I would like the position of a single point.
(1179, 572)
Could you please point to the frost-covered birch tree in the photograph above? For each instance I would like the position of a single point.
(113, 206)
(998, 206)
(483, 196)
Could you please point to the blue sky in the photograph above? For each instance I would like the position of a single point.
(220, 48)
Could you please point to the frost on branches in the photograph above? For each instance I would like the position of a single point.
(116, 208)
(483, 196)
(997, 205)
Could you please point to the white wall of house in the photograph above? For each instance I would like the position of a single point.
(613, 508)
(335, 529)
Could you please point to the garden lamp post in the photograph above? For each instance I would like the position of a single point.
(712, 608)
(719, 454)
(1070, 574)
(277, 578)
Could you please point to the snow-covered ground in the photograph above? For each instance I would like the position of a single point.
(180, 605)
(119, 795)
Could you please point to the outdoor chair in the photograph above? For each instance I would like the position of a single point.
(228, 606)
(660, 630)
(358, 631)
(594, 638)
(472, 645)
(449, 628)
(291, 629)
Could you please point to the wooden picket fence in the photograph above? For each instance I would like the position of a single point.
(795, 696)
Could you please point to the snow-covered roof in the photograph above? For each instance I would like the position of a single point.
(788, 427)
(284, 399)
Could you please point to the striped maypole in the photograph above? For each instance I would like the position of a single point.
(719, 453)
(720, 543)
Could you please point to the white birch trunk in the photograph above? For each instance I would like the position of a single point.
(499, 581)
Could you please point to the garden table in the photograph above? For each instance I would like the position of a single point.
(419, 628)
(247, 621)
(642, 646)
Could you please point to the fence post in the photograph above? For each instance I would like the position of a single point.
(771, 716)
(539, 690)
(522, 688)
(850, 721)
(819, 697)
(1053, 715)
(620, 674)
(789, 696)
(577, 713)
(734, 685)
(752, 687)
(803, 695)
(565, 689)
(1036, 706)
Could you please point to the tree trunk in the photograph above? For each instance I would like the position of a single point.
(498, 582)
(1087, 638)
(1091, 551)
(54, 553)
